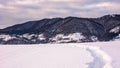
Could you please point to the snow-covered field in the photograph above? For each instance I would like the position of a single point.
(74, 55)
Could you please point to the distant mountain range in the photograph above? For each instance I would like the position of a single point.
(63, 30)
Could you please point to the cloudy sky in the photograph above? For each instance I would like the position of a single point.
(19, 11)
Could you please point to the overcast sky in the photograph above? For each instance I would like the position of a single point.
(20, 11)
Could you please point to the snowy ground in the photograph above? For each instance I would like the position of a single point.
(78, 55)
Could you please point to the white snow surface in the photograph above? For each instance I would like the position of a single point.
(69, 55)
(67, 38)
(115, 30)
(6, 37)
(112, 15)
(41, 37)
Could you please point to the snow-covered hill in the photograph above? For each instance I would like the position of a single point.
(69, 55)
(63, 30)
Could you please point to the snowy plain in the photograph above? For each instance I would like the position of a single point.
(70, 55)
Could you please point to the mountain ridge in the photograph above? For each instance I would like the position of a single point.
(104, 28)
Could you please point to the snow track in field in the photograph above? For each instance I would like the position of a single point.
(101, 58)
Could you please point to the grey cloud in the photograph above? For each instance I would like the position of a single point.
(12, 12)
